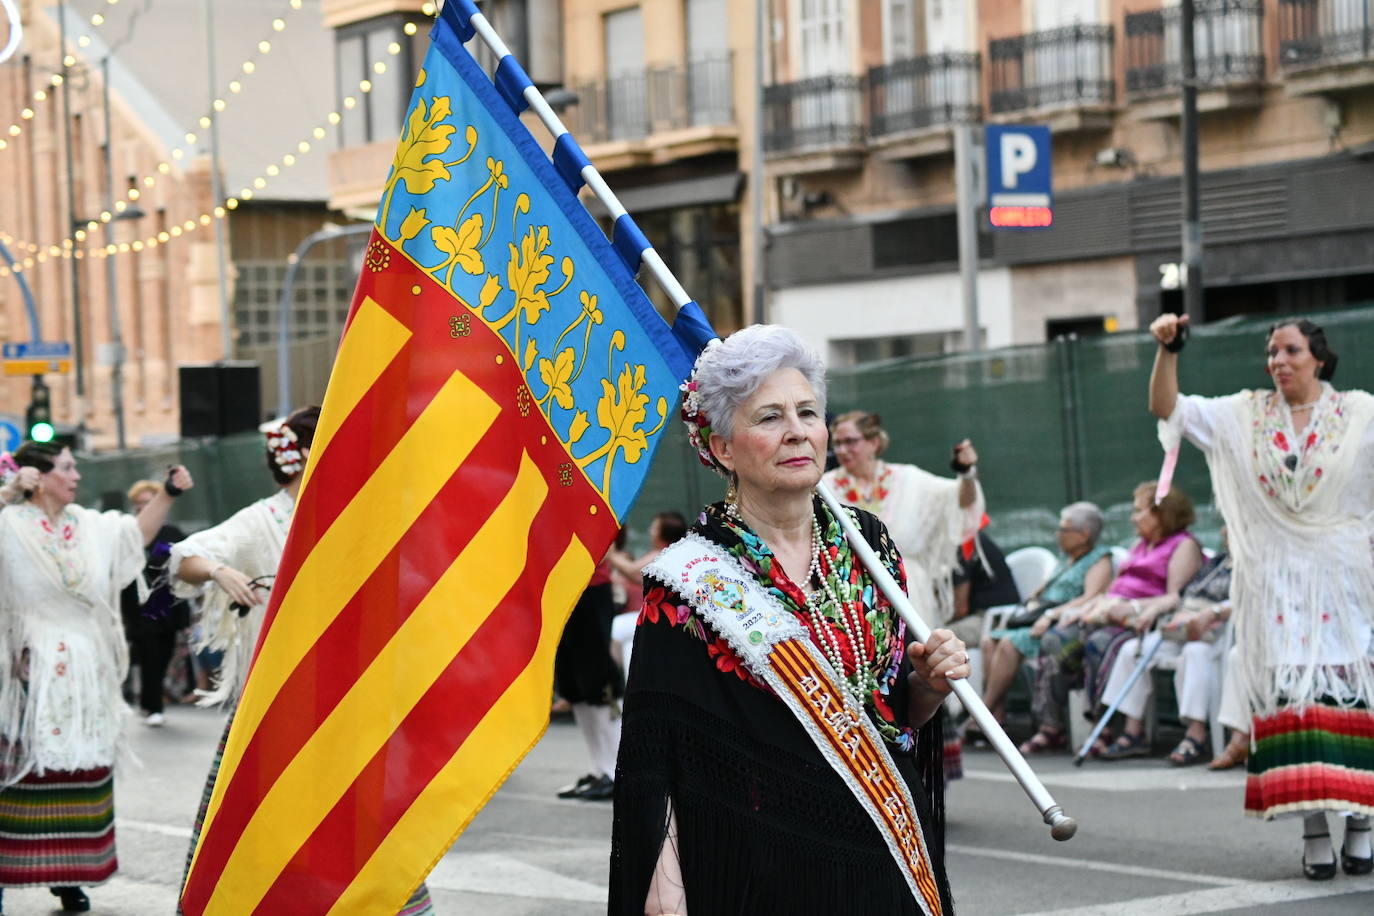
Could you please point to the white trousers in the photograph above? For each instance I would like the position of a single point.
(1194, 663)
(1234, 714)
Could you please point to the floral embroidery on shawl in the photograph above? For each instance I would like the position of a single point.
(871, 498)
(59, 542)
(1289, 471)
(884, 633)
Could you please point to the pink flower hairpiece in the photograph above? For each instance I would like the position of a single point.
(697, 423)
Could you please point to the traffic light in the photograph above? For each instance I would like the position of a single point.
(38, 417)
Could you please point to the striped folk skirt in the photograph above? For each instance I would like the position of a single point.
(57, 829)
(1320, 758)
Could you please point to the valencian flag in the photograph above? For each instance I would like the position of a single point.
(496, 400)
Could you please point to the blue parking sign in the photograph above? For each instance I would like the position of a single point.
(1019, 176)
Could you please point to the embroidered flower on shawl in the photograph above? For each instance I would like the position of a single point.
(1284, 473)
(848, 488)
(883, 632)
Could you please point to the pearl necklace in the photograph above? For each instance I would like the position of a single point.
(862, 682)
(1294, 408)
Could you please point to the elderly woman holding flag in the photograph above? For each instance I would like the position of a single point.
(780, 747)
(1293, 473)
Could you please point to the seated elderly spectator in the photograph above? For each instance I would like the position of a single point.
(1084, 572)
(982, 580)
(1189, 639)
(1082, 644)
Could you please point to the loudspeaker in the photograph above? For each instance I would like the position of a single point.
(218, 399)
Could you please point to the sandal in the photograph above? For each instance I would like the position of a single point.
(1236, 753)
(1100, 746)
(1043, 742)
(1127, 746)
(1189, 751)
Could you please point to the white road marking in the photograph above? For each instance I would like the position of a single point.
(124, 823)
(494, 873)
(1128, 779)
(1219, 899)
(1090, 865)
(119, 894)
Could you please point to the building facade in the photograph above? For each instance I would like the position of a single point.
(122, 246)
(859, 110)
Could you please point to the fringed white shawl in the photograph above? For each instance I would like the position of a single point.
(251, 541)
(1297, 506)
(924, 518)
(63, 657)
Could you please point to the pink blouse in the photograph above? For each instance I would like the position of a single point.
(1145, 572)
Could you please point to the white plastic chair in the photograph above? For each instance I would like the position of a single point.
(1030, 567)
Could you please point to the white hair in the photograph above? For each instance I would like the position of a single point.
(728, 374)
(1085, 517)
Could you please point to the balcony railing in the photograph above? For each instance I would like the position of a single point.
(823, 112)
(1315, 33)
(660, 99)
(923, 92)
(1227, 45)
(1066, 67)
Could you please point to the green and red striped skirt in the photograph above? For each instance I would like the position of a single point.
(58, 829)
(1318, 758)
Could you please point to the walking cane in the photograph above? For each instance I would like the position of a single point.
(1062, 827)
(1154, 639)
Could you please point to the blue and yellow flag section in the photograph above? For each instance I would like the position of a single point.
(496, 401)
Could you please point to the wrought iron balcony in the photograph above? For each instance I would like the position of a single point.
(634, 106)
(1319, 33)
(1227, 41)
(1065, 67)
(820, 113)
(922, 92)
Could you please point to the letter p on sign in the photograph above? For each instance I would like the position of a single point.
(1018, 158)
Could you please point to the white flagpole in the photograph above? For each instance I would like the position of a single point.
(1062, 827)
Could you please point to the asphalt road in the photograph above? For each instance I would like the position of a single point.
(1153, 841)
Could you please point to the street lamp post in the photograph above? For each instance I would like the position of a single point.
(116, 332)
(78, 357)
(288, 287)
(1193, 305)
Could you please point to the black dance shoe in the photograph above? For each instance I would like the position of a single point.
(1323, 872)
(578, 788)
(1352, 865)
(74, 899)
(601, 790)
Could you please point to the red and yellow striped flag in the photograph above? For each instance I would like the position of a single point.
(488, 420)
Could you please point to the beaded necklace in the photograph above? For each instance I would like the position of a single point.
(862, 682)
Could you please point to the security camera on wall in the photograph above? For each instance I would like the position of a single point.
(1114, 157)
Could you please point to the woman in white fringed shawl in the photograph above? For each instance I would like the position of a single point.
(1293, 474)
(928, 516)
(62, 660)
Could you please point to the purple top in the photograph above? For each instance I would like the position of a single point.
(1145, 571)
